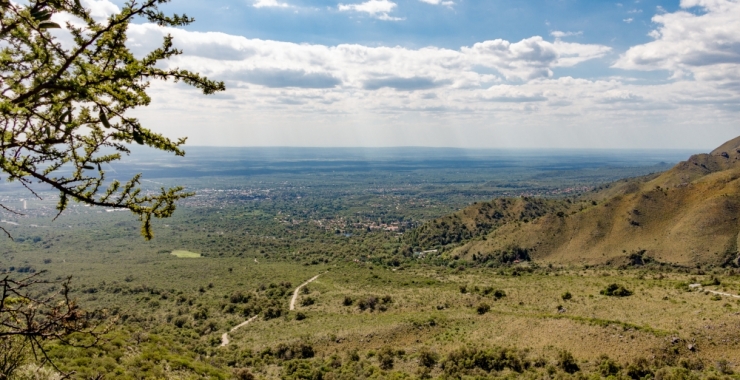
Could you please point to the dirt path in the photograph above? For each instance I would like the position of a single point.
(298, 289)
(225, 336)
(698, 286)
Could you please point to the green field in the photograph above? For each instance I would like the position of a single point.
(185, 254)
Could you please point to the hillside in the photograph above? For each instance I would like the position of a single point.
(687, 215)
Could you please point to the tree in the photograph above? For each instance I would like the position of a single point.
(63, 116)
(34, 310)
(63, 106)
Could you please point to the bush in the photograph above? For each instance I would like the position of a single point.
(467, 360)
(608, 367)
(639, 369)
(368, 303)
(243, 374)
(385, 358)
(348, 301)
(180, 322)
(567, 362)
(428, 358)
(566, 296)
(499, 294)
(615, 290)
(308, 301)
(724, 367)
(300, 316)
(483, 308)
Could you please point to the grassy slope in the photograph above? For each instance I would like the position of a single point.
(686, 215)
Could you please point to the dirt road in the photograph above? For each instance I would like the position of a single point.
(295, 293)
(225, 336)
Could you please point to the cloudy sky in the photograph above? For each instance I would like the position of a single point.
(460, 73)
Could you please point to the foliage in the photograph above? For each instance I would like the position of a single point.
(482, 308)
(567, 362)
(63, 106)
(34, 310)
(463, 360)
(616, 290)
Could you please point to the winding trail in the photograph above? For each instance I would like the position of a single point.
(298, 289)
(701, 289)
(225, 336)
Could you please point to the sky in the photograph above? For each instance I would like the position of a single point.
(450, 73)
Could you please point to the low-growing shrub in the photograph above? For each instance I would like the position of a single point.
(483, 308)
(308, 301)
(608, 367)
(467, 359)
(427, 358)
(615, 290)
(567, 362)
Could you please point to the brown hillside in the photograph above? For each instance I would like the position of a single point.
(687, 215)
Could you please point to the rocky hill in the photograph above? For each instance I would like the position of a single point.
(687, 215)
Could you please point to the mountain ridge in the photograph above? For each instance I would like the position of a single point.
(685, 216)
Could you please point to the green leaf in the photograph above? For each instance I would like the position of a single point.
(49, 25)
(104, 119)
(41, 15)
(138, 138)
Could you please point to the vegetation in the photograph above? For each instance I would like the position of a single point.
(382, 308)
(63, 109)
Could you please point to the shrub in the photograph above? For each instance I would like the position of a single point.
(348, 301)
(368, 303)
(467, 359)
(639, 369)
(385, 358)
(724, 367)
(566, 296)
(608, 367)
(427, 358)
(180, 322)
(243, 374)
(272, 313)
(308, 301)
(463, 289)
(483, 308)
(567, 362)
(499, 294)
(300, 316)
(615, 290)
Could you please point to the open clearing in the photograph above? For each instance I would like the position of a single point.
(185, 254)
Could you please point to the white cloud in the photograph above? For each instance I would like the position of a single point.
(439, 2)
(493, 93)
(375, 8)
(628, 20)
(532, 57)
(269, 4)
(705, 46)
(560, 34)
(100, 9)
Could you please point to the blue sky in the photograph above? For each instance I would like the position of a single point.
(464, 73)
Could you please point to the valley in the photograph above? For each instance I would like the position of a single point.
(395, 273)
